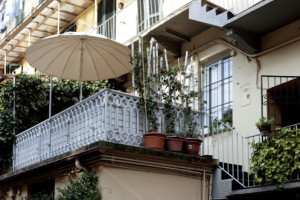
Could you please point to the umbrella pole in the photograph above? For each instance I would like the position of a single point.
(80, 96)
(81, 66)
(50, 97)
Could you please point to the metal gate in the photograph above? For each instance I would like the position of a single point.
(280, 98)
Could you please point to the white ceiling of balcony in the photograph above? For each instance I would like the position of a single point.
(174, 31)
(42, 22)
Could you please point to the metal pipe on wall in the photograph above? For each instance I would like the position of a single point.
(4, 68)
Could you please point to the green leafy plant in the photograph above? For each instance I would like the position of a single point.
(31, 94)
(189, 125)
(172, 86)
(265, 122)
(276, 159)
(82, 188)
(145, 87)
(227, 116)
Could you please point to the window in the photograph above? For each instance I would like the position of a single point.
(106, 18)
(216, 81)
(149, 12)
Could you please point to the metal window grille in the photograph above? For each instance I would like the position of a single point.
(280, 98)
(217, 87)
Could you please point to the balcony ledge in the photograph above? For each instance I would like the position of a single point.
(119, 155)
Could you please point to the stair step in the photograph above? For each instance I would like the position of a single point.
(228, 166)
(242, 174)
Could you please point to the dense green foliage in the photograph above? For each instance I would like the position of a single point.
(170, 95)
(277, 158)
(164, 84)
(31, 96)
(82, 188)
(145, 87)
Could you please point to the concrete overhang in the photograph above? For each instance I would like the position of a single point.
(248, 27)
(266, 16)
(172, 31)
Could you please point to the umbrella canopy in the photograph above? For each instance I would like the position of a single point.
(80, 56)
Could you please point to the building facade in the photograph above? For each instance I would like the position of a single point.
(244, 57)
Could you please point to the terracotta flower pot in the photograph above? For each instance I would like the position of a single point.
(174, 143)
(192, 146)
(154, 140)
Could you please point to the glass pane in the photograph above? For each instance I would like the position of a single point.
(218, 88)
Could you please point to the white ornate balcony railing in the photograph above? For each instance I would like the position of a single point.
(235, 6)
(106, 116)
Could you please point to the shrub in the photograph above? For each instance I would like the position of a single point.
(277, 158)
(83, 188)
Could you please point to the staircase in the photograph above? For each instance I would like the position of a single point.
(226, 183)
(208, 13)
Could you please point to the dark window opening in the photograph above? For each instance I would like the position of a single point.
(283, 102)
(12, 67)
(41, 188)
(106, 18)
(106, 9)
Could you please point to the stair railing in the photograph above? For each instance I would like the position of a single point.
(231, 148)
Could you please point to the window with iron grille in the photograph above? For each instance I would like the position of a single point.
(216, 81)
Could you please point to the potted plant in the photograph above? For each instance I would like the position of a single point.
(145, 85)
(192, 143)
(227, 118)
(264, 125)
(171, 84)
(192, 139)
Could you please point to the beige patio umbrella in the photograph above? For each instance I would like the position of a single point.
(80, 56)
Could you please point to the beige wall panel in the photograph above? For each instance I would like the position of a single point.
(121, 184)
(280, 35)
(88, 17)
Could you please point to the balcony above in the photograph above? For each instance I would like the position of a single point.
(40, 23)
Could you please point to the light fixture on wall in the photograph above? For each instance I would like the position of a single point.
(121, 5)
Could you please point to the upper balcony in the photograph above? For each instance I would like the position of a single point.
(234, 6)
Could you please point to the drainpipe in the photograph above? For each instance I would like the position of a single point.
(251, 57)
(4, 63)
(96, 14)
